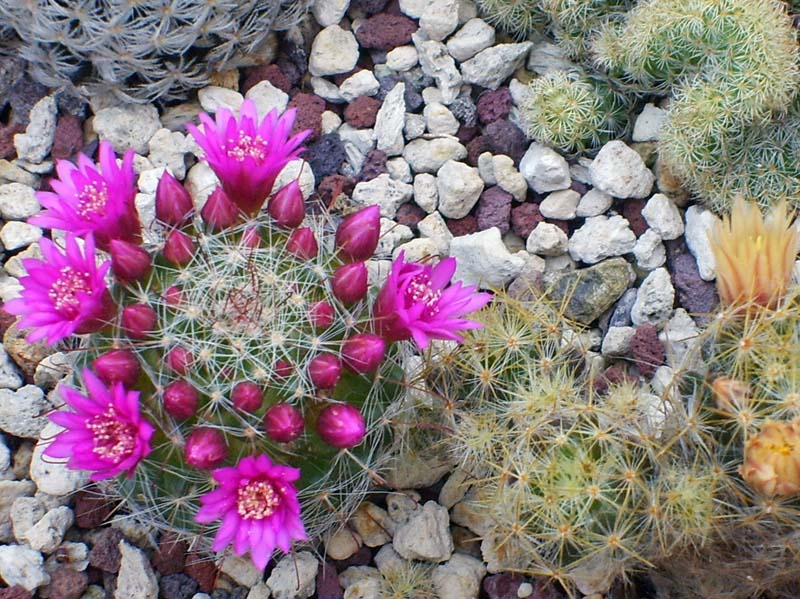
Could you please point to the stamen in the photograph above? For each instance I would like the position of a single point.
(113, 438)
(63, 292)
(419, 291)
(254, 147)
(256, 500)
(92, 200)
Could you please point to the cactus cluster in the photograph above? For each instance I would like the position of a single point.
(140, 51)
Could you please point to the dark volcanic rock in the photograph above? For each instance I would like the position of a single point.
(91, 509)
(105, 554)
(462, 226)
(177, 586)
(326, 156)
(494, 209)
(647, 351)
(170, 556)
(385, 32)
(696, 296)
(409, 214)
(632, 211)
(361, 112)
(374, 165)
(494, 105)
(68, 138)
(309, 114)
(506, 138)
(524, 218)
(66, 583)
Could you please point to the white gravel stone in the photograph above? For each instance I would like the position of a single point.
(491, 67)
(525, 590)
(5, 461)
(426, 535)
(10, 490)
(387, 560)
(241, 569)
(544, 169)
(593, 203)
(34, 145)
(432, 95)
(136, 579)
(167, 149)
(545, 57)
(699, 223)
(654, 299)
(23, 566)
(129, 126)
(294, 576)
(357, 143)
(330, 122)
(334, 51)
(425, 194)
(508, 177)
(460, 577)
(547, 239)
(214, 97)
(299, 170)
(601, 237)
(474, 36)
(342, 544)
(649, 251)
(267, 98)
(200, 182)
(402, 58)
(418, 250)
(414, 126)
(390, 120)
(327, 90)
(560, 205)
(362, 83)
(648, 124)
(23, 413)
(484, 260)
(439, 120)
(679, 336)
(459, 186)
(620, 171)
(329, 12)
(10, 377)
(50, 475)
(17, 234)
(399, 169)
(428, 155)
(385, 192)
(439, 19)
(437, 63)
(392, 235)
(52, 369)
(663, 216)
(617, 341)
(434, 228)
(486, 169)
(47, 532)
(18, 201)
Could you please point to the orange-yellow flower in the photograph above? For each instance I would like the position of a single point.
(730, 394)
(754, 255)
(772, 459)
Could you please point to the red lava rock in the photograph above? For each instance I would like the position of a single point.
(466, 134)
(494, 209)
(374, 165)
(462, 226)
(68, 138)
(7, 132)
(332, 186)
(561, 224)
(503, 585)
(476, 147)
(309, 114)
(202, 569)
(647, 350)
(613, 375)
(328, 586)
(506, 138)
(494, 105)
(91, 509)
(15, 592)
(170, 557)
(409, 214)
(6, 320)
(524, 218)
(361, 112)
(632, 211)
(694, 294)
(105, 554)
(268, 72)
(384, 32)
(66, 583)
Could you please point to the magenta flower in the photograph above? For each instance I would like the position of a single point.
(105, 433)
(258, 506)
(92, 199)
(64, 293)
(246, 155)
(417, 301)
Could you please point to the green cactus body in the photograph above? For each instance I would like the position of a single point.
(520, 18)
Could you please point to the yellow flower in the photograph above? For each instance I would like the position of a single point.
(754, 255)
(772, 459)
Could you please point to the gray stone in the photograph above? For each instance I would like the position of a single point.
(680, 337)
(474, 36)
(214, 97)
(439, 19)
(23, 412)
(459, 186)
(167, 149)
(334, 51)
(601, 237)
(620, 171)
(389, 121)
(18, 201)
(241, 569)
(560, 205)
(48, 531)
(617, 341)
(259, 591)
(50, 475)
(34, 145)
(663, 216)
(329, 12)
(491, 67)
(654, 299)
(17, 234)
(547, 239)
(10, 491)
(52, 369)
(294, 576)
(439, 120)
(414, 126)
(460, 577)
(23, 566)
(528, 284)
(544, 169)
(129, 126)
(402, 58)
(649, 251)
(267, 98)
(385, 192)
(648, 124)
(593, 203)
(483, 259)
(361, 83)
(428, 155)
(425, 194)
(330, 122)
(426, 535)
(413, 8)
(327, 90)
(10, 377)
(699, 223)
(545, 57)
(437, 63)
(136, 579)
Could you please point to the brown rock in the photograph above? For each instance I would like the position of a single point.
(66, 583)
(384, 32)
(202, 569)
(68, 139)
(170, 556)
(462, 226)
(524, 218)
(105, 554)
(91, 509)
(15, 592)
(361, 112)
(647, 351)
(332, 187)
(26, 355)
(409, 214)
(632, 211)
(7, 132)
(269, 72)
(309, 114)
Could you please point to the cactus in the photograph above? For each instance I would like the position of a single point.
(520, 18)
(573, 23)
(141, 51)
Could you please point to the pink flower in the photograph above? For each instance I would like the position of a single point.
(105, 433)
(258, 505)
(64, 293)
(417, 301)
(247, 155)
(92, 199)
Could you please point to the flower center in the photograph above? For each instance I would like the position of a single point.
(93, 199)
(419, 291)
(63, 292)
(113, 438)
(246, 146)
(256, 500)
(784, 448)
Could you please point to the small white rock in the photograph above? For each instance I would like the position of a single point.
(167, 149)
(267, 98)
(23, 566)
(425, 194)
(460, 577)
(17, 234)
(384, 191)
(434, 228)
(10, 377)
(617, 341)
(593, 203)
(620, 171)
(418, 250)
(297, 170)
(648, 124)
(663, 216)
(428, 155)
(330, 122)
(459, 186)
(327, 90)
(439, 19)
(544, 169)
(414, 126)
(474, 36)
(342, 544)
(426, 535)
(649, 251)
(508, 177)
(34, 145)
(437, 63)
(392, 235)
(241, 569)
(334, 51)
(489, 68)
(483, 259)
(294, 576)
(214, 97)
(399, 169)
(601, 237)
(50, 475)
(18, 201)
(48, 532)
(390, 120)
(654, 299)
(129, 126)
(560, 205)
(547, 239)
(362, 83)
(136, 579)
(329, 12)
(23, 413)
(699, 223)
(402, 58)
(439, 120)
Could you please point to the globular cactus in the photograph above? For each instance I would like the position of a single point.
(141, 51)
(520, 18)
(573, 23)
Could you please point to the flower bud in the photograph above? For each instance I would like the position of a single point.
(302, 243)
(247, 396)
(357, 235)
(178, 248)
(117, 365)
(219, 212)
(730, 394)
(321, 315)
(341, 425)
(180, 400)
(178, 360)
(251, 238)
(173, 203)
(172, 296)
(205, 448)
(363, 352)
(283, 423)
(138, 321)
(324, 371)
(282, 369)
(349, 282)
(287, 207)
(772, 459)
(130, 262)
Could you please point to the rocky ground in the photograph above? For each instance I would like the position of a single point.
(412, 106)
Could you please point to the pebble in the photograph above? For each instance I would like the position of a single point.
(654, 299)
(547, 239)
(329, 12)
(10, 377)
(10, 490)
(362, 83)
(620, 171)
(47, 533)
(334, 51)
(327, 90)
(342, 544)
(373, 524)
(129, 126)
(439, 120)
(10, 173)
(17, 234)
(402, 58)
(418, 250)
(390, 120)
(593, 203)
(294, 576)
(267, 98)
(474, 36)
(544, 169)
(167, 149)
(434, 228)
(414, 126)
(648, 124)
(484, 260)
(241, 569)
(200, 182)
(617, 341)
(649, 251)
(297, 170)
(437, 63)
(18, 201)
(392, 235)
(136, 579)
(425, 193)
(34, 145)
(460, 577)
(50, 475)
(508, 177)
(699, 223)
(601, 237)
(459, 186)
(23, 412)
(663, 216)
(439, 19)
(213, 98)
(491, 67)
(426, 535)
(428, 155)
(560, 205)
(384, 191)
(23, 566)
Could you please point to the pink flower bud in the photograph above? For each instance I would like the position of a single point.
(282, 370)
(283, 423)
(251, 238)
(324, 371)
(130, 262)
(180, 400)
(138, 321)
(178, 360)
(302, 243)
(363, 352)
(219, 212)
(357, 235)
(172, 296)
(173, 203)
(321, 315)
(118, 365)
(341, 425)
(178, 248)
(349, 282)
(247, 396)
(205, 448)
(287, 207)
